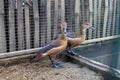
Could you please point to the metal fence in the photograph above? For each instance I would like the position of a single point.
(27, 24)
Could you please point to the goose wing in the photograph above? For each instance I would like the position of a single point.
(49, 46)
(71, 35)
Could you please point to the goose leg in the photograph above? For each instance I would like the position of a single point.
(55, 64)
(70, 51)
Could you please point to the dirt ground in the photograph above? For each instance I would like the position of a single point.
(43, 70)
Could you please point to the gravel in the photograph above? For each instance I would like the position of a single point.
(43, 70)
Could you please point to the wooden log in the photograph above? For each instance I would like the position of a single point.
(27, 26)
(77, 15)
(105, 18)
(20, 24)
(48, 20)
(32, 51)
(19, 53)
(36, 20)
(101, 39)
(90, 18)
(2, 28)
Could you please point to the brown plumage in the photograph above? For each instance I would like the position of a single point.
(54, 47)
(78, 37)
(75, 39)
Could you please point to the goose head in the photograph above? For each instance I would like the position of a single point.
(63, 30)
(64, 25)
(87, 25)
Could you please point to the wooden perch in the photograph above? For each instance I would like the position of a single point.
(32, 51)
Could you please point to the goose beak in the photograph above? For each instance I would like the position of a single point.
(64, 29)
(92, 27)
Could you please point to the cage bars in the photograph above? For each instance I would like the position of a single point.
(95, 18)
(20, 24)
(24, 28)
(77, 15)
(82, 11)
(105, 17)
(55, 31)
(6, 23)
(27, 26)
(2, 28)
(117, 26)
(48, 14)
(90, 18)
(109, 21)
(68, 13)
(12, 25)
(114, 13)
(99, 18)
(62, 10)
(42, 21)
(36, 23)
(32, 29)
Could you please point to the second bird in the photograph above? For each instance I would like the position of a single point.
(75, 39)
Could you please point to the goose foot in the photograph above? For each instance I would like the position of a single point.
(71, 52)
(57, 65)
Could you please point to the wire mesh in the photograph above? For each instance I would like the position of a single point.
(33, 23)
